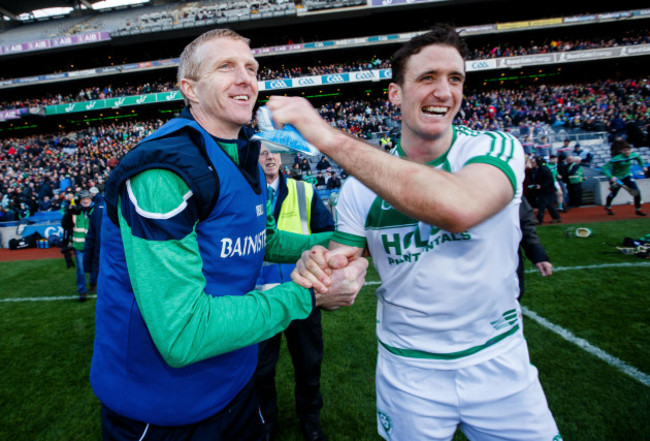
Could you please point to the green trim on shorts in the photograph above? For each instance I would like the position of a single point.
(414, 353)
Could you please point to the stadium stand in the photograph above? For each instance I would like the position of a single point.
(67, 105)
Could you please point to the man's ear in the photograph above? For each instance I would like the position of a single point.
(395, 94)
(188, 90)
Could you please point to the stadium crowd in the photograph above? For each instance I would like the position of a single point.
(40, 172)
(271, 72)
(628, 37)
(615, 106)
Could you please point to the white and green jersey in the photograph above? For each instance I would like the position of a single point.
(446, 297)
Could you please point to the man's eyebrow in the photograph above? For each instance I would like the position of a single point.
(437, 72)
(460, 73)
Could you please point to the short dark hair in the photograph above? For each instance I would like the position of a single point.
(618, 146)
(442, 33)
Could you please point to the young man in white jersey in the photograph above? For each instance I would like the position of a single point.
(440, 218)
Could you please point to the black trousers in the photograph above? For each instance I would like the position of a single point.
(575, 195)
(546, 202)
(630, 183)
(305, 344)
(240, 420)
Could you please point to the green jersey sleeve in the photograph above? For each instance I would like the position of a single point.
(186, 324)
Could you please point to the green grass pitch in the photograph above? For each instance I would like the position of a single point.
(596, 295)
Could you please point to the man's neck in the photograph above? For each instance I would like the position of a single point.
(215, 127)
(425, 150)
(271, 179)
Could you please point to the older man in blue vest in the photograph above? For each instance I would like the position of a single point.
(297, 209)
(184, 235)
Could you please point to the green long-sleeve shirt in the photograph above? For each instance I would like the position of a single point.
(186, 324)
(620, 165)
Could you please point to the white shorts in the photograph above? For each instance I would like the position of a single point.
(500, 399)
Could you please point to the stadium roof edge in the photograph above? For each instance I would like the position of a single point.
(12, 8)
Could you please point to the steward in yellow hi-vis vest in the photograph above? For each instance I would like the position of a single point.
(295, 212)
(75, 224)
(296, 208)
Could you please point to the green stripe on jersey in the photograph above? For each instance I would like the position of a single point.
(349, 239)
(383, 215)
(503, 144)
(498, 163)
(414, 353)
(502, 147)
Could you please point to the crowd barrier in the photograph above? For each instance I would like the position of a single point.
(45, 223)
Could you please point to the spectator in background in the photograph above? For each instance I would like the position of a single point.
(296, 172)
(544, 190)
(45, 204)
(45, 189)
(320, 180)
(18, 198)
(334, 182)
(565, 148)
(385, 142)
(559, 195)
(96, 194)
(328, 176)
(543, 149)
(309, 177)
(67, 201)
(530, 246)
(584, 154)
(75, 224)
(5, 215)
(617, 128)
(93, 240)
(619, 172)
(64, 183)
(576, 177)
(32, 203)
(304, 165)
(22, 212)
(296, 208)
(563, 176)
(29, 191)
(323, 164)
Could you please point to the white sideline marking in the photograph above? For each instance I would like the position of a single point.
(567, 335)
(531, 270)
(584, 344)
(43, 299)
(599, 266)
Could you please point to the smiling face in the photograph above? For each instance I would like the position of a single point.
(271, 163)
(223, 96)
(430, 94)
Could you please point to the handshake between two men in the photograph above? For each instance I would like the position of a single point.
(336, 275)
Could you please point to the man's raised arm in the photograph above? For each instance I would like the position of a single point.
(454, 202)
